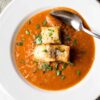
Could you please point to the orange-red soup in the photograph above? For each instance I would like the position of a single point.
(81, 54)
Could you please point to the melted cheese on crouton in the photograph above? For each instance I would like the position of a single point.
(51, 53)
(43, 53)
(50, 35)
(62, 53)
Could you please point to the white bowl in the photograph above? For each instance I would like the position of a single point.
(10, 19)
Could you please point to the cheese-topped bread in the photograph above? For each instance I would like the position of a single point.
(62, 53)
(51, 35)
(51, 53)
(43, 53)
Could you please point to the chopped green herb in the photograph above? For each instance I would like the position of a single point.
(71, 63)
(37, 26)
(68, 37)
(58, 72)
(62, 77)
(64, 66)
(19, 43)
(45, 50)
(78, 72)
(51, 30)
(46, 67)
(44, 23)
(50, 34)
(56, 66)
(75, 42)
(49, 68)
(27, 32)
(39, 39)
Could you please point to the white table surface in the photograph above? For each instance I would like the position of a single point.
(3, 94)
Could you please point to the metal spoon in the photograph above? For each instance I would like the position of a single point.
(73, 20)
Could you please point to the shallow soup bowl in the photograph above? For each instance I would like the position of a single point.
(10, 21)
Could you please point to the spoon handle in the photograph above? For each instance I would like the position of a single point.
(97, 35)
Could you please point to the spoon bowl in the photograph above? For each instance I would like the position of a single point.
(74, 20)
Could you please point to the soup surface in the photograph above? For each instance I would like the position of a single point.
(59, 75)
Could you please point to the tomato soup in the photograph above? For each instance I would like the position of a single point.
(61, 75)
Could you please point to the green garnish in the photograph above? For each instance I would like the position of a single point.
(68, 37)
(19, 43)
(62, 77)
(58, 72)
(45, 50)
(50, 34)
(44, 23)
(51, 30)
(38, 39)
(49, 68)
(71, 63)
(78, 72)
(75, 42)
(64, 66)
(56, 66)
(37, 26)
(45, 67)
(27, 32)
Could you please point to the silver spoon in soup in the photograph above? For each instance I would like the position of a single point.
(74, 20)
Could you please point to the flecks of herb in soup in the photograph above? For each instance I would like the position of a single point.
(38, 39)
(56, 66)
(62, 77)
(78, 72)
(44, 22)
(68, 38)
(58, 72)
(75, 42)
(45, 67)
(64, 66)
(19, 43)
(27, 32)
(37, 26)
